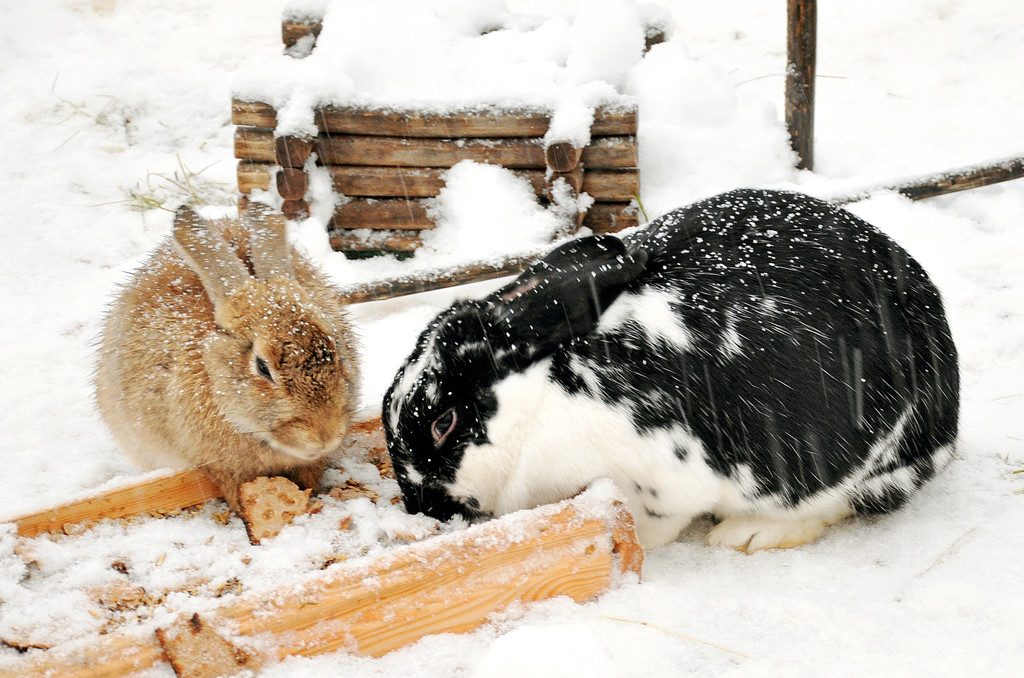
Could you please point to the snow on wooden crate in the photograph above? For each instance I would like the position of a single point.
(389, 159)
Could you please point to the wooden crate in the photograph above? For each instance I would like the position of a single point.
(390, 162)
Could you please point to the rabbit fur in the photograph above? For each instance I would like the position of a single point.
(760, 356)
(228, 350)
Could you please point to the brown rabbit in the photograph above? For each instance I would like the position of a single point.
(229, 351)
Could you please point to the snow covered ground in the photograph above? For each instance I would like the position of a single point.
(110, 105)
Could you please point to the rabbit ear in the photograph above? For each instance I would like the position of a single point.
(209, 255)
(562, 296)
(269, 239)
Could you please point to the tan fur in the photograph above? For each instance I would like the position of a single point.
(176, 379)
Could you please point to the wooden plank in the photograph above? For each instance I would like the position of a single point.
(377, 240)
(255, 145)
(427, 182)
(253, 176)
(485, 122)
(413, 152)
(393, 213)
(610, 217)
(620, 185)
(253, 114)
(801, 50)
(170, 492)
(601, 153)
(387, 182)
(402, 214)
(110, 656)
(451, 583)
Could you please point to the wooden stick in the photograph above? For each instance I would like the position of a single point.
(292, 183)
(165, 493)
(293, 30)
(801, 49)
(451, 583)
(437, 278)
(562, 156)
(292, 151)
(942, 183)
(575, 178)
(486, 122)
(295, 209)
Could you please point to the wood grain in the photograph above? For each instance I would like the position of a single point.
(446, 584)
(163, 494)
(487, 122)
(426, 182)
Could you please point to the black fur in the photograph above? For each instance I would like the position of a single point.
(812, 337)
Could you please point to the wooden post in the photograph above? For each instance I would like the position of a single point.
(801, 49)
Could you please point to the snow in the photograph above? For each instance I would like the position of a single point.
(112, 102)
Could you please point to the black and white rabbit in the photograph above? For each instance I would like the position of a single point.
(761, 356)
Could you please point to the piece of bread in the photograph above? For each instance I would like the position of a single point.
(195, 650)
(267, 504)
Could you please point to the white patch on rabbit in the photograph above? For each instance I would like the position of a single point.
(413, 476)
(411, 375)
(545, 444)
(659, 319)
(731, 345)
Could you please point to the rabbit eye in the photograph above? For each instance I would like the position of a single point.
(443, 426)
(263, 369)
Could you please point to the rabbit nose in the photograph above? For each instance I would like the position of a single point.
(306, 440)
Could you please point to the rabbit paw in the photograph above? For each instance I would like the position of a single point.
(753, 533)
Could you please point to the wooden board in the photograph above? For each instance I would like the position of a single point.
(427, 182)
(257, 145)
(450, 583)
(488, 122)
(156, 494)
(396, 214)
(170, 492)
